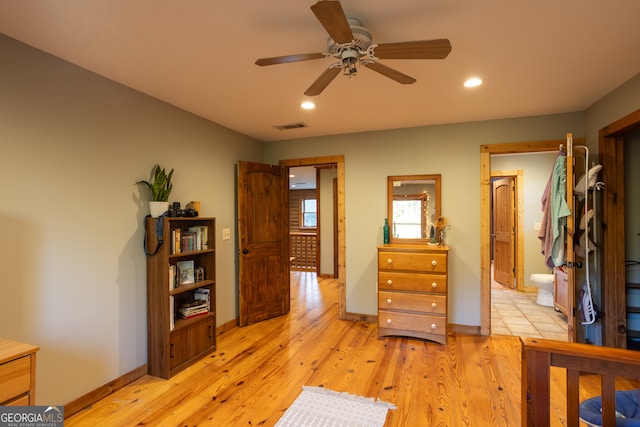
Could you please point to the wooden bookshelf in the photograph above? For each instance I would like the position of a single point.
(174, 343)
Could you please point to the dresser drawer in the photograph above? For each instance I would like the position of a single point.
(412, 261)
(389, 280)
(16, 378)
(423, 303)
(412, 322)
(23, 400)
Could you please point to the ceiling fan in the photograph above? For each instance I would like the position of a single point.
(353, 46)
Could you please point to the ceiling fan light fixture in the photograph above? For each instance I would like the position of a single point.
(350, 60)
(473, 82)
(308, 105)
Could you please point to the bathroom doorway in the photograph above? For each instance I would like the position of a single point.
(517, 188)
(490, 158)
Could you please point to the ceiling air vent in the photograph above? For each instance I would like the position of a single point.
(292, 126)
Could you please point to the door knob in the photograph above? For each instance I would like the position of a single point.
(245, 251)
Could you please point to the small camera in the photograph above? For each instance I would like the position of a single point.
(175, 211)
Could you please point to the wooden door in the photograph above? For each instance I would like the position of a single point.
(504, 231)
(263, 242)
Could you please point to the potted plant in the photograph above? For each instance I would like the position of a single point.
(160, 187)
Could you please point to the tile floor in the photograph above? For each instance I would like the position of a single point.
(516, 313)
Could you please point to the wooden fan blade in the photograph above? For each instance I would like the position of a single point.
(390, 72)
(425, 49)
(332, 17)
(323, 81)
(289, 58)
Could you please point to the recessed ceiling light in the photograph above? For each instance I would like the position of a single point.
(473, 82)
(308, 105)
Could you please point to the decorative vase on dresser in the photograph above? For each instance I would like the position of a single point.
(412, 291)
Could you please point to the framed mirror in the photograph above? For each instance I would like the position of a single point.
(413, 206)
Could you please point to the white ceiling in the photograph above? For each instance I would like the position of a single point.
(536, 57)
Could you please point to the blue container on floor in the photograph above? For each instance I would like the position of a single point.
(627, 409)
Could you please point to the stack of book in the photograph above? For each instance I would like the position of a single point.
(194, 238)
(193, 309)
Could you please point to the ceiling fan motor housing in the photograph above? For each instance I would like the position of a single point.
(362, 39)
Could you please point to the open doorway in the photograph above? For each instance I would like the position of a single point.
(518, 183)
(313, 219)
(338, 163)
(486, 154)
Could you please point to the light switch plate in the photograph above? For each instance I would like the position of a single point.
(226, 233)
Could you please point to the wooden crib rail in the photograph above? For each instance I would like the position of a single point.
(539, 355)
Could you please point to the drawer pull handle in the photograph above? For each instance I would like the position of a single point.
(389, 301)
(390, 282)
(433, 305)
(433, 326)
(389, 261)
(434, 262)
(388, 321)
(434, 285)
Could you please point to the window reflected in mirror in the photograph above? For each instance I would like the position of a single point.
(410, 218)
(413, 206)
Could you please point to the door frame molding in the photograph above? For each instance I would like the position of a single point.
(613, 275)
(338, 160)
(486, 150)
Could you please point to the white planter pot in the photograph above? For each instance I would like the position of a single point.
(158, 208)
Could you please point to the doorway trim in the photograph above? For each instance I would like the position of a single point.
(486, 150)
(342, 270)
(613, 276)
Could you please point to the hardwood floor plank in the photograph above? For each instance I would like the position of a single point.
(258, 371)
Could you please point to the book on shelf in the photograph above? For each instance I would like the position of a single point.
(175, 241)
(187, 241)
(191, 316)
(172, 277)
(201, 235)
(193, 309)
(186, 272)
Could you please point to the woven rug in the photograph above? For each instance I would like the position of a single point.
(319, 407)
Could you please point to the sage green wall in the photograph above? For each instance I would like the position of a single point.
(451, 150)
(619, 103)
(72, 144)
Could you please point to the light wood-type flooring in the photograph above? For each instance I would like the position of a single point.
(258, 371)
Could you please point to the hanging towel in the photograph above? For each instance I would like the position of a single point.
(555, 213)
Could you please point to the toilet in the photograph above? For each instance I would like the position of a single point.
(544, 283)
